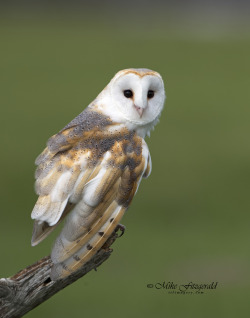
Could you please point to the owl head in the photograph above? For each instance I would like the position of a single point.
(134, 97)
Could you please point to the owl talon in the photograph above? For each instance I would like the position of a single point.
(122, 228)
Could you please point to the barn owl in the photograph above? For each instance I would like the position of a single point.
(91, 170)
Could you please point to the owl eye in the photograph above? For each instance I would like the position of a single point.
(128, 93)
(151, 94)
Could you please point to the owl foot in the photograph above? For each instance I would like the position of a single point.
(121, 228)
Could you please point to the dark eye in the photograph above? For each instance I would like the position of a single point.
(128, 93)
(151, 94)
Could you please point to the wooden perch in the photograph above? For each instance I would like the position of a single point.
(32, 286)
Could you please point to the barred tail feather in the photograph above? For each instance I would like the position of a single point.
(82, 224)
(85, 253)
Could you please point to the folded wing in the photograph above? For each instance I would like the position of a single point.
(90, 176)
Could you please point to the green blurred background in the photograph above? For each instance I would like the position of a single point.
(190, 220)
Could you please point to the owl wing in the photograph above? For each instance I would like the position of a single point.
(94, 174)
(58, 170)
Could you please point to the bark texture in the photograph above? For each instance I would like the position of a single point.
(32, 286)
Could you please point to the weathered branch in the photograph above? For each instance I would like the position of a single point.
(32, 286)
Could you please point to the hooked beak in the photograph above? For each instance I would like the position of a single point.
(139, 110)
